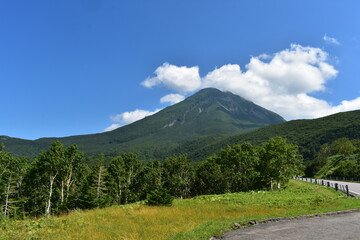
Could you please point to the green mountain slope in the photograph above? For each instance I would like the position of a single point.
(308, 134)
(208, 112)
(340, 166)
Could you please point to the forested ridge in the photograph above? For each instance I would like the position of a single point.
(206, 113)
(60, 179)
(309, 135)
(336, 159)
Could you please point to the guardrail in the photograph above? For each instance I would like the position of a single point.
(344, 179)
(338, 187)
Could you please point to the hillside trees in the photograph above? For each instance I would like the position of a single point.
(12, 171)
(246, 167)
(5, 179)
(314, 166)
(42, 175)
(14, 198)
(50, 182)
(58, 180)
(347, 168)
(342, 146)
(339, 158)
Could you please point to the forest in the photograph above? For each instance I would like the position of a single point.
(337, 159)
(60, 179)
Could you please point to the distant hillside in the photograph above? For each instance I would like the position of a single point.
(308, 134)
(340, 166)
(206, 113)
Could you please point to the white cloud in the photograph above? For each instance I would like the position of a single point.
(112, 127)
(330, 40)
(181, 79)
(172, 98)
(130, 117)
(281, 82)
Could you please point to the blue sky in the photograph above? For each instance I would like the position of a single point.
(80, 67)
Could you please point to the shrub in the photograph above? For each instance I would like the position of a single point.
(159, 197)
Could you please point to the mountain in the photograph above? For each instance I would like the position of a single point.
(309, 135)
(209, 112)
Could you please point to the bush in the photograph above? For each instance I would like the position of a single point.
(159, 197)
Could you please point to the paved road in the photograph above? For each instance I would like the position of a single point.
(336, 227)
(354, 188)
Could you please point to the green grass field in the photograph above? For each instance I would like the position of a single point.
(197, 218)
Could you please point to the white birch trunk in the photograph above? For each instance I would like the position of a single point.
(6, 206)
(98, 184)
(48, 204)
(62, 192)
(68, 184)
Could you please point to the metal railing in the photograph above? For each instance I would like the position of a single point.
(338, 187)
(342, 178)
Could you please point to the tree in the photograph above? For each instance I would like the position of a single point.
(150, 178)
(314, 166)
(279, 161)
(13, 178)
(69, 172)
(347, 168)
(48, 164)
(356, 144)
(117, 179)
(96, 190)
(209, 178)
(342, 146)
(239, 163)
(40, 180)
(8, 175)
(179, 175)
(132, 168)
(159, 197)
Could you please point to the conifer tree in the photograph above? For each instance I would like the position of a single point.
(117, 179)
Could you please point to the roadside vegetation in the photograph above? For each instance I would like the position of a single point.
(197, 218)
(338, 159)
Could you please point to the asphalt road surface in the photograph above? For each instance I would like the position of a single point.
(334, 227)
(353, 187)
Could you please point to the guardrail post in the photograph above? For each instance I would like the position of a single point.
(322, 182)
(347, 190)
(336, 186)
(328, 184)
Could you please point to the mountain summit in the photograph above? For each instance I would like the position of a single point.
(207, 112)
(211, 111)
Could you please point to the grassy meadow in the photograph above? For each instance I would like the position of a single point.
(197, 218)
